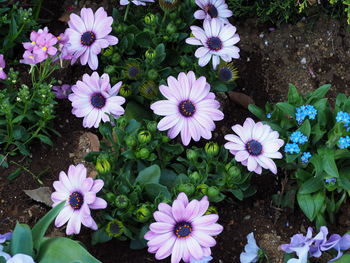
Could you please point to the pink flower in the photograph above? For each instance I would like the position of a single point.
(182, 230)
(62, 47)
(2, 66)
(63, 91)
(213, 9)
(218, 41)
(190, 108)
(30, 58)
(88, 34)
(93, 98)
(255, 145)
(79, 193)
(136, 2)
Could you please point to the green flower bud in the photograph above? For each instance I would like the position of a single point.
(152, 126)
(152, 74)
(183, 62)
(228, 166)
(143, 214)
(166, 38)
(108, 51)
(144, 136)
(171, 28)
(116, 58)
(121, 201)
(130, 141)
(165, 139)
(125, 90)
(173, 15)
(211, 210)
(150, 54)
(211, 148)
(144, 153)
(213, 192)
(234, 171)
(115, 228)
(202, 189)
(150, 19)
(110, 197)
(191, 155)
(110, 69)
(148, 89)
(178, 21)
(195, 177)
(103, 166)
(121, 121)
(188, 189)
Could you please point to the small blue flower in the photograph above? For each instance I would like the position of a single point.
(251, 250)
(298, 137)
(330, 180)
(291, 148)
(202, 260)
(344, 142)
(305, 111)
(343, 117)
(268, 115)
(305, 157)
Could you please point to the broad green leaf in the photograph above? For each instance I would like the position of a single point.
(61, 249)
(294, 97)
(319, 201)
(344, 259)
(22, 240)
(329, 165)
(40, 228)
(100, 236)
(306, 204)
(305, 128)
(286, 108)
(312, 185)
(257, 111)
(318, 93)
(168, 178)
(45, 139)
(154, 190)
(150, 174)
(136, 111)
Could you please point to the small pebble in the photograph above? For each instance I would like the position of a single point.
(247, 217)
(303, 61)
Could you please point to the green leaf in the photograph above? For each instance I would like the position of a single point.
(168, 178)
(306, 204)
(149, 175)
(100, 236)
(14, 174)
(312, 185)
(305, 128)
(19, 118)
(294, 97)
(318, 93)
(319, 199)
(155, 190)
(329, 165)
(286, 108)
(22, 240)
(61, 249)
(143, 39)
(40, 228)
(257, 111)
(45, 139)
(344, 259)
(136, 111)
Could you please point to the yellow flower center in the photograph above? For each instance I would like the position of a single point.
(31, 56)
(1, 68)
(33, 43)
(44, 48)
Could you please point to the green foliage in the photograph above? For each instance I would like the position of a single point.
(146, 169)
(322, 183)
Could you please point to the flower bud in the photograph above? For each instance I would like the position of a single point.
(121, 201)
(103, 166)
(188, 189)
(144, 136)
(150, 19)
(143, 214)
(165, 139)
(213, 192)
(234, 171)
(150, 54)
(195, 177)
(121, 121)
(148, 89)
(130, 141)
(211, 210)
(125, 90)
(108, 51)
(211, 148)
(110, 69)
(110, 197)
(171, 28)
(115, 228)
(116, 57)
(191, 155)
(152, 74)
(144, 153)
(202, 189)
(152, 126)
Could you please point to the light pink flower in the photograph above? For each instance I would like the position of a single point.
(218, 41)
(190, 108)
(30, 58)
(62, 47)
(88, 34)
(79, 193)
(255, 145)
(2, 66)
(213, 9)
(93, 98)
(182, 230)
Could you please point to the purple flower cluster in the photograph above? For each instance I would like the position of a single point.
(2, 66)
(308, 246)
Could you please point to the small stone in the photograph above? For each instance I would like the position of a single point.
(261, 35)
(303, 61)
(247, 217)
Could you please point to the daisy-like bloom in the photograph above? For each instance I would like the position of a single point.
(190, 108)
(255, 145)
(182, 230)
(213, 9)
(79, 193)
(149, 89)
(2, 66)
(168, 5)
(218, 41)
(227, 72)
(136, 2)
(20, 258)
(93, 98)
(88, 34)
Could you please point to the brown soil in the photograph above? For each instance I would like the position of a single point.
(269, 61)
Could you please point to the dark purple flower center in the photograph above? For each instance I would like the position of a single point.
(187, 108)
(115, 228)
(183, 229)
(88, 38)
(214, 43)
(254, 147)
(212, 11)
(76, 200)
(98, 100)
(133, 71)
(225, 74)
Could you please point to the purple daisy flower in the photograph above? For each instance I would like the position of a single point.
(255, 145)
(218, 41)
(213, 9)
(2, 66)
(79, 193)
(63, 91)
(20, 258)
(183, 230)
(190, 108)
(93, 98)
(88, 34)
(136, 2)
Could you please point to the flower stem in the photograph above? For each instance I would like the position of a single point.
(126, 12)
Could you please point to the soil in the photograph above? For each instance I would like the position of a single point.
(307, 54)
